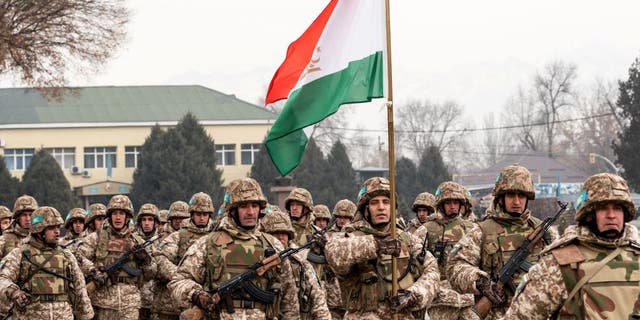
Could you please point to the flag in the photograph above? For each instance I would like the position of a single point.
(338, 60)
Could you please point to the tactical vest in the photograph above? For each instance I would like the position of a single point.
(303, 231)
(612, 293)
(372, 284)
(109, 248)
(305, 300)
(500, 242)
(442, 238)
(227, 256)
(46, 283)
(186, 238)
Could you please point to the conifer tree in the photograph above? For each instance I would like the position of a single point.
(45, 181)
(627, 149)
(264, 172)
(406, 186)
(343, 177)
(313, 174)
(431, 170)
(9, 186)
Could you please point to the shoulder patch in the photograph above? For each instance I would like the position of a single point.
(568, 255)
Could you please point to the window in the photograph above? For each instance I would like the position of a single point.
(66, 157)
(225, 154)
(249, 152)
(99, 157)
(131, 155)
(17, 159)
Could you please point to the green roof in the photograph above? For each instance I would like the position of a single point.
(126, 104)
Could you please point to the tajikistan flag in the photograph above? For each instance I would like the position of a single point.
(337, 60)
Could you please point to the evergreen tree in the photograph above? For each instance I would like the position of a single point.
(406, 186)
(264, 172)
(9, 186)
(343, 177)
(431, 170)
(313, 174)
(627, 149)
(45, 181)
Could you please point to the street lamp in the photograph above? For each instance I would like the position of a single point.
(592, 160)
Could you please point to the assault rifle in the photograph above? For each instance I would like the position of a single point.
(423, 252)
(519, 260)
(121, 264)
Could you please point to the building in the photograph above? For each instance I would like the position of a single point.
(95, 133)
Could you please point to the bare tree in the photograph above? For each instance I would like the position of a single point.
(495, 141)
(554, 90)
(41, 41)
(520, 114)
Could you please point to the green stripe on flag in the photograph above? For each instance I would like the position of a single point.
(361, 81)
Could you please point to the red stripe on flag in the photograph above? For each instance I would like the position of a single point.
(298, 56)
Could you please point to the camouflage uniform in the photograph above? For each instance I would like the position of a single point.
(425, 200)
(177, 210)
(303, 229)
(365, 272)
(173, 248)
(146, 293)
(610, 288)
(120, 299)
(73, 215)
(440, 234)
(230, 250)
(484, 250)
(57, 288)
(313, 303)
(468, 213)
(5, 213)
(12, 237)
(95, 210)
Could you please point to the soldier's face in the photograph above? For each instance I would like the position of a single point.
(118, 219)
(451, 207)
(4, 223)
(380, 209)
(283, 237)
(51, 234)
(248, 214)
(342, 221)
(24, 220)
(199, 218)
(610, 217)
(78, 226)
(176, 222)
(515, 202)
(295, 209)
(98, 222)
(321, 223)
(147, 223)
(422, 213)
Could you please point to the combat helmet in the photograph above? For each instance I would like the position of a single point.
(163, 216)
(514, 178)
(24, 203)
(321, 211)
(372, 188)
(74, 214)
(301, 195)
(243, 190)
(201, 202)
(44, 217)
(424, 199)
(179, 210)
(450, 190)
(148, 209)
(345, 208)
(278, 221)
(601, 188)
(95, 210)
(120, 202)
(5, 213)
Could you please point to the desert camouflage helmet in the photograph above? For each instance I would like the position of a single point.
(301, 195)
(163, 216)
(179, 210)
(514, 178)
(321, 211)
(5, 213)
(148, 209)
(24, 203)
(278, 221)
(74, 214)
(424, 199)
(371, 188)
(44, 217)
(201, 202)
(272, 208)
(450, 190)
(95, 210)
(120, 202)
(243, 190)
(602, 188)
(345, 208)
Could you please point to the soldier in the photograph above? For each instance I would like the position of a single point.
(19, 228)
(5, 218)
(95, 217)
(146, 228)
(475, 261)
(362, 256)
(43, 280)
(423, 206)
(178, 212)
(299, 204)
(312, 300)
(230, 250)
(466, 211)
(440, 234)
(592, 271)
(116, 296)
(74, 223)
(173, 248)
(321, 216)
(163, 219)
(344, 211)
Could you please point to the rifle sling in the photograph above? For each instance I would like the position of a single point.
(39, 267)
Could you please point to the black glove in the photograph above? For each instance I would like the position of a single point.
(142, 258)
(490, 289)
(404, 300)
(320, 239)
(20, 298)
(388, 245)
(203, 300)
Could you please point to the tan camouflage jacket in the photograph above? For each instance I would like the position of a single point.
(146, 291)
(317, 304)
(11, 238)
(350, 254)
(413, 225)
(303, 230)
(543, 291)
(10, 275)
(190, 275)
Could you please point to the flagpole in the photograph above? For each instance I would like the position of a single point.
(390, 137)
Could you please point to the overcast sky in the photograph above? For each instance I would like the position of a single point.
(474, 52)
